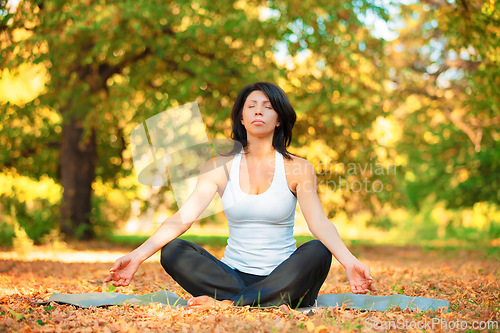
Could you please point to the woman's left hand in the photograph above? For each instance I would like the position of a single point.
(359, 277)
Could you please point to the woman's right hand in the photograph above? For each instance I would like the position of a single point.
(123, 270)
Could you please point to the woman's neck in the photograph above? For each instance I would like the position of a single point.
(259, 153)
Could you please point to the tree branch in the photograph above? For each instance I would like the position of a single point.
(474, 136)
(106, 70)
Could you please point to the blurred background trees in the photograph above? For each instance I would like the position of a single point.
(402, 130)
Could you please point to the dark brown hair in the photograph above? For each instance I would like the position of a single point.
(286, 116)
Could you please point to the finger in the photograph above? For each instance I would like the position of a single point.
(361, 289)
(366, 273)
(115, 266)
(112, 277)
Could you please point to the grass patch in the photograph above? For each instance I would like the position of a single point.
(203, 240)
(136, 240)
(487, 251)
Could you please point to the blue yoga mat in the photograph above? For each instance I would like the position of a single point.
(168, 298)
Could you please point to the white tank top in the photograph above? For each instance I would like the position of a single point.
(260, 226)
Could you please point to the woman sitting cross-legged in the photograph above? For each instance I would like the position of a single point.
(261, 264)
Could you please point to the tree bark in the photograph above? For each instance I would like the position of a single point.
(78, 160)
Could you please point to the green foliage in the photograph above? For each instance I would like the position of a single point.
(28, 204)
(37, 219)
(382, 222)
(447, 73)
(478, 224)
(111, 65)
(33, 206)
(17, 316)
(99, 224)
(111, 289)
(7, 233)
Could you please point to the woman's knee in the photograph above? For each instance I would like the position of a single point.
(318, 250)
(170, 252)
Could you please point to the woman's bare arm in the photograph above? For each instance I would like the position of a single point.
(174, 226)
(325, 231)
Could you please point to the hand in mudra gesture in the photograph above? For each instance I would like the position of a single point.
(123, 270)
(359, 278)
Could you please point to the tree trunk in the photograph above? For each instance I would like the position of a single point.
(78, 164)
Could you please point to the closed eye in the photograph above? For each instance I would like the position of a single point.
(269, 107)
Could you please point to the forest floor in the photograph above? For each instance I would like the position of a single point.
(468, 278)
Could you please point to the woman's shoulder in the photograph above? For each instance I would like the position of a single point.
(218, 166)
(297, 165)
(296, 160)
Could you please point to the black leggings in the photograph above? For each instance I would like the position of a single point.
(296, 281)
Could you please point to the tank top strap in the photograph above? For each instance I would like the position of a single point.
(281, 172)
(235, 169)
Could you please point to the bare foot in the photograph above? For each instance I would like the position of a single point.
(285, 308)
(205, 302)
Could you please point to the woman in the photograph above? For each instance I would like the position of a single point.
(261, 265)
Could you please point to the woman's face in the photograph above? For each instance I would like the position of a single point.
(258, 115)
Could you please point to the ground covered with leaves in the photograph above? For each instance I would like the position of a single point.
(469, 279)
